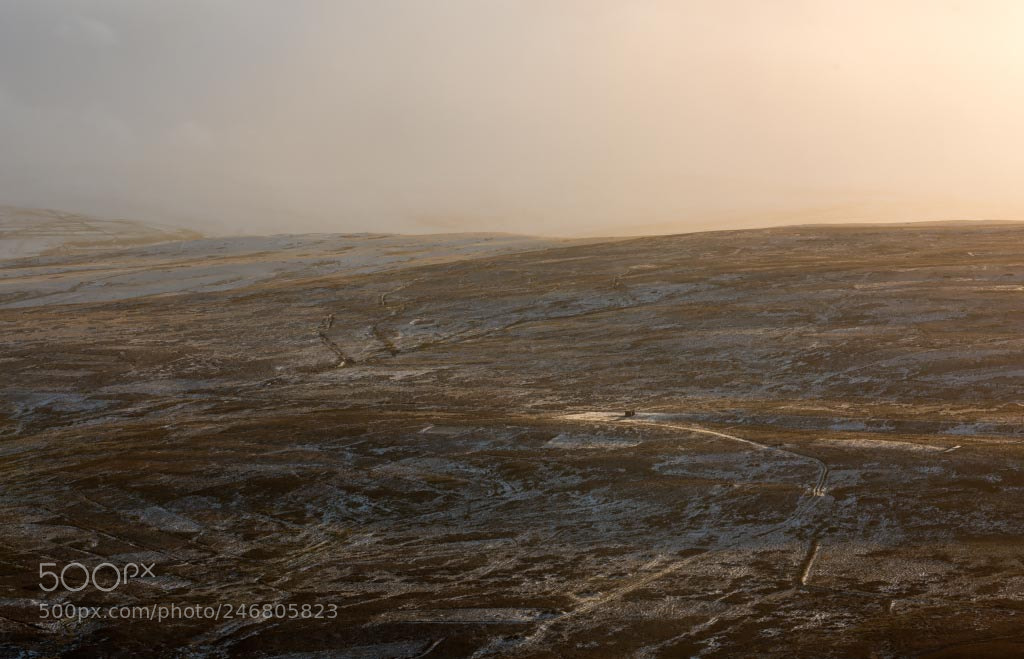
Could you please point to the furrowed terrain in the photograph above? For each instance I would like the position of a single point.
(428, 433)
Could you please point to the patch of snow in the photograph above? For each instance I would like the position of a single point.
(574, 441)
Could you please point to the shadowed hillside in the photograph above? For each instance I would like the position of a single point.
(427, 432)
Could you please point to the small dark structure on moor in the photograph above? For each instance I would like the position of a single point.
(629, 413)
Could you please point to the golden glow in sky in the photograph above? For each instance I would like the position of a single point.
(555, 116)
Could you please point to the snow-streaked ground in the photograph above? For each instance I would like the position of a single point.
(28, 232)
(825, 457)
(48, 259)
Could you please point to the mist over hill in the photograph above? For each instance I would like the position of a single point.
(32, 232)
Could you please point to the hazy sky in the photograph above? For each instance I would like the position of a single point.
(536, 116)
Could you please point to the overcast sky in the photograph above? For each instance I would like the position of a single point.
(534, 116)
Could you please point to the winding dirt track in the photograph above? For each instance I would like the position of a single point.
(819, 487)
(657, 568)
